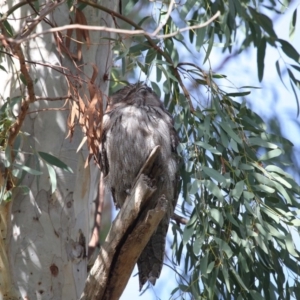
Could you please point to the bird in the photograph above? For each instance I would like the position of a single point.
(135, 122)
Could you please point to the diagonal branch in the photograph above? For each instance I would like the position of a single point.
(127, 238)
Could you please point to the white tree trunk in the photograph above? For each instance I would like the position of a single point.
(44, 236)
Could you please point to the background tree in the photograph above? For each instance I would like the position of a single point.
(240, 205)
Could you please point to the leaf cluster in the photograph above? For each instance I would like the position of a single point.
(14, 167)
(242, 206)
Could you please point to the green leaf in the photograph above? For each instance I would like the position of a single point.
(8, 28)
(270, 154)
(140, 23)
(142, 67)
(248, 195)
(156, 89)
(238, 94)
(255, 295)
(290, 246)
(216, 215)
(194, 187)
(231, 219)
(214, 189)
(246, 167)
(263, 179)
(36, 5)
(150, 57)
(2, 68)
(296, 67)
(289, 50)
(214, 174)
(208, 147)
(263, 188)
(28, 169)
(158, 70)
(127, 6)
(293, 24)
(257, 141)
(184, 288)
(210, 45)
(283, 192)
(200, 38)
(224, 247)
(238, 278)
(261, 51)
(279, 72)
(203, 265)
(167, 86)
(210, 267)
(231, 133)
(297, 83)
(238, 190)
(161, 69)
(275, 232)
(52, 176)
(141, 47)
(281, 180)
(226, 277)
(54, 161)
(187, 234)
(198, 244)
(263, 21)
(172, 51)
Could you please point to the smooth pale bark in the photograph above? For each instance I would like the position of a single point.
(44, 235)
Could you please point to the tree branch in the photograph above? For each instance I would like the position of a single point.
(179, 220)
(15, 7)
(15, 128)
(114, 30)
(132, 249)
(127, 238)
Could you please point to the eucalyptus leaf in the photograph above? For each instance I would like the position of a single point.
(270, 154)
(216, 215)
(28, 169)
(214, 174)
(54, 161)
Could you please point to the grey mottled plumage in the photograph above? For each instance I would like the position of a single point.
(134, 123)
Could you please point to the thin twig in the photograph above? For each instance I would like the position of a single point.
(139, 31)
(162, 24)
(164, 36)
(153, 45)
(179, 220)
(15, 7)
(109, 29)
(54, 98)
(48, 109)
(54, 67)
(50, 6)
